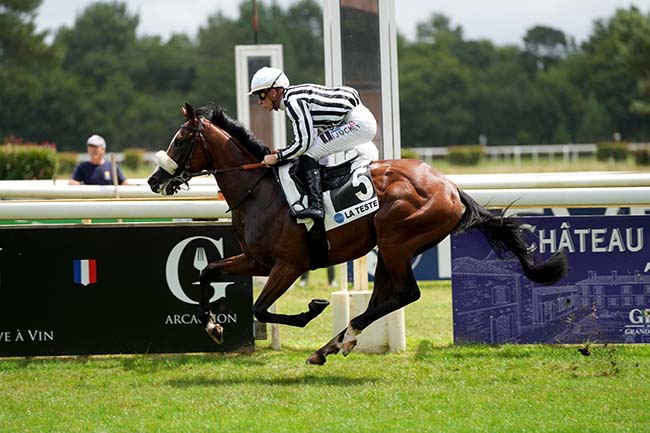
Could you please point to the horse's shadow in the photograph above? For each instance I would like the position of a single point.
(305, 380)
(152, 363)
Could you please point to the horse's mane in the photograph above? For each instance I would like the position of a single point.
(217, 116)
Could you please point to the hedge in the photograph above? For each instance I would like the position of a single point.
(642, 156)
(66, 162)
(133, 158)
(408, 153)
(23, 162)
(614, 150)
(465, 155)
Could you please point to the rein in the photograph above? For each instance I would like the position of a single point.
(225, 170)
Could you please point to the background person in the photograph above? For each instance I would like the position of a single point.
(96, 171)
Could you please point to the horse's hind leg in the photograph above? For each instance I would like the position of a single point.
(384, 300)
(391, 292)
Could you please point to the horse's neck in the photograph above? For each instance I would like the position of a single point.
(225, 152)
(228, 154)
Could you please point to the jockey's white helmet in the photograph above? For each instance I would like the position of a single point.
(267, 78)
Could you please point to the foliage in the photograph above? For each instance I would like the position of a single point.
(24, 162)
(66, 162)
(408, 153)
(615, 151)
(133, 158)
(99, 76)
(642, 156)
(465, 155)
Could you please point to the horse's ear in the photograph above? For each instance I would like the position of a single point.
(188, 111)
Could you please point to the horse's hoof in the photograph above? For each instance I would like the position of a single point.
(318, 305)
(316, 358)
(215, 331)
(347, 347)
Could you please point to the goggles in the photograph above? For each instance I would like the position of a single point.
(262, 94)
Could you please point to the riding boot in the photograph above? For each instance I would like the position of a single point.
(314, 195)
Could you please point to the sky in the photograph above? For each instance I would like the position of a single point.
(501, 21)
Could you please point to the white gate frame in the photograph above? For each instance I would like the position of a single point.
(242, 54)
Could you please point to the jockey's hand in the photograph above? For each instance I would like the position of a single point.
(270, 160)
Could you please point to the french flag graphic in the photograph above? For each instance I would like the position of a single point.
(85, 271)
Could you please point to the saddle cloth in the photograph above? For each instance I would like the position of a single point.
(348, 192)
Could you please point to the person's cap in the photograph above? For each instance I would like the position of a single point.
(96, 140)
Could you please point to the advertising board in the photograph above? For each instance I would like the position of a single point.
(128, 288)
(604, 298)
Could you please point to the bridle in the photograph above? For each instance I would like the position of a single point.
(183, 176)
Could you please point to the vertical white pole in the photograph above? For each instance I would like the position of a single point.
(275, 330)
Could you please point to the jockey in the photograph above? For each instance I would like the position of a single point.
(325, 120)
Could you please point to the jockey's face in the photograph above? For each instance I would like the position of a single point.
(269, 99)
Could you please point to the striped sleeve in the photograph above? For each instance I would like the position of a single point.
(303, 129)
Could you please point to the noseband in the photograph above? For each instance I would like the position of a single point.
(185, 174)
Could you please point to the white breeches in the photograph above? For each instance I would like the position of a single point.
(356, 132)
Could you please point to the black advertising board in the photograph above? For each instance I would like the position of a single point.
(127, 288)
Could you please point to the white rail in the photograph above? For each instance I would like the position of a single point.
(206, 187)
(562, 197)
(551, 180)
(138, 188)
(527, 190)
(87, 209)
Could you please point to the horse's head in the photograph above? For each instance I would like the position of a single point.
(185, 157)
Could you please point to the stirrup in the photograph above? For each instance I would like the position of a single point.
(311, 212)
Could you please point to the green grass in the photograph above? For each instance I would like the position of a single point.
(432, 387)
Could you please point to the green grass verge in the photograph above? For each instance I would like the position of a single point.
(432, 387)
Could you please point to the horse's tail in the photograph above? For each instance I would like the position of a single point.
(504, 234)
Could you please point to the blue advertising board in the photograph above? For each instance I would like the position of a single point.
(604, 298)
(426, 266)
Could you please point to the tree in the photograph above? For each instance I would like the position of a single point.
(101, 43)
(20, 44)
(609, 76)
(438, 30)
(23, 55)
(595, 124)
(435, 91)
(632, 30)
(545, 46)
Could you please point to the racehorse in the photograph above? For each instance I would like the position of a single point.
(418, 208)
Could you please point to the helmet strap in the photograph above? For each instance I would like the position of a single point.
(276, 101)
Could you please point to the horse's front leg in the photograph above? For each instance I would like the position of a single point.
(280, 279)
(235, 265)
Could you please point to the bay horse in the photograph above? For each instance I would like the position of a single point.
(418, 208)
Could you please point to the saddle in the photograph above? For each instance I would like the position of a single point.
(332, 177)
(348, 194)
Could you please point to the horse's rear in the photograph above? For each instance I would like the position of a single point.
(418, 207)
